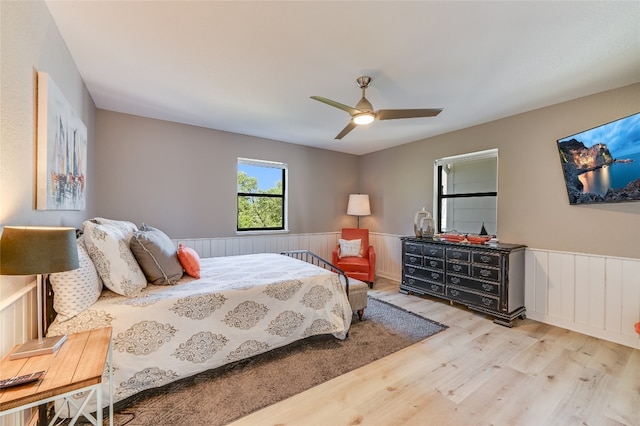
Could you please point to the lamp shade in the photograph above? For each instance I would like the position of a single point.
(31, 250)
(358, 205)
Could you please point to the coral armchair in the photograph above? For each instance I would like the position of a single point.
(362, 266)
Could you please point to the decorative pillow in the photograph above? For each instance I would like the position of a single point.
(189, 260)
(109, 250)
(349, 248)
(156, 254)
(76, 290)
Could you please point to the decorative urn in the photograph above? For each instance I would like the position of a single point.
(423, 224)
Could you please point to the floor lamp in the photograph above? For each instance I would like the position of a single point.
(38, 250)
(358, 206)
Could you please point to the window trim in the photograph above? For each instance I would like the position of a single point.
(285, 196)
(438, 196)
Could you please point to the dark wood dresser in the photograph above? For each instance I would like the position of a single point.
(488, 278)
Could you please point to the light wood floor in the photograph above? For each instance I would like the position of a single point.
(475, 373)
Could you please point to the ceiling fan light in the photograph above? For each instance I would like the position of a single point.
(364, 118)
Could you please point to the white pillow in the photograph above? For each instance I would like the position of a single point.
(109, 250)
(76, 290)
(349, 248)
(127, 228)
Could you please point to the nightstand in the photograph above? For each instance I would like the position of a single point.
(75, 368)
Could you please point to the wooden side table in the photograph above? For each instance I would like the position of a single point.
(76, 367)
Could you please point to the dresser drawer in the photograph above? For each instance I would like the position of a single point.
(424, 285)
(412, 270)
(458, 254)
(427, 274)
(483, 300)
(412, 260)
(460, 281)
(458, 268)
(433, 251)
(413, 248)
(485, 273)
(484, 258)
(434, 263)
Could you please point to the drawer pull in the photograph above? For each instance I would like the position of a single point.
(456, 254)
(487, 287)
(434, 287)
(433, 263)
(411, 270)
(413, 260)
(432, 251)
(486, 301)
(457, 268)
(412, 281)
(485, 273)
(435, 276)
(455, 292)
(485, 259)
(455, 280)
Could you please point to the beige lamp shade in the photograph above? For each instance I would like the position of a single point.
(38, 250)
(359, 205)
(31, 250)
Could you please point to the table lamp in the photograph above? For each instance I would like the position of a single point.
(358, 206)
(38, 250)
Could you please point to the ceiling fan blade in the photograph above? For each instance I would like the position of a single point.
(346, 130)
(392, 114)
(335, 104)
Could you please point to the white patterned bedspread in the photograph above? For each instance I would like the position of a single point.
(241, 306)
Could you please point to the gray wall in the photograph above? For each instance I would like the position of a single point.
(182, 179)
(533, 206)
(30, 42)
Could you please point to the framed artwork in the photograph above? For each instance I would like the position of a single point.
(62, 151)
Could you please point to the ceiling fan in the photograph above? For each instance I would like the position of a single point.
(363, 112)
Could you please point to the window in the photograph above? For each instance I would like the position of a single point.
(466, 192)
(262, 195)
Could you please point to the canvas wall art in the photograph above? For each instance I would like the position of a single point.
(62, 151)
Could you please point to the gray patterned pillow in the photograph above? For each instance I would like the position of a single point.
(76, 290)
(109, 250)
(156, 254)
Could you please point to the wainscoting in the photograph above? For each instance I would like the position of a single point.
(17, 324)
(595, 295)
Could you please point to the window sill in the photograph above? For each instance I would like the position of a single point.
(283, 231)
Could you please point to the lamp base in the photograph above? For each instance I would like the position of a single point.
(35, 347)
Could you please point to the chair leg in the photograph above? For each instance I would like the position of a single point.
(360, 314)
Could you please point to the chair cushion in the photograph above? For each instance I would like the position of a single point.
(354, 264)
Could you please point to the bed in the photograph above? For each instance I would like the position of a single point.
(240, 306)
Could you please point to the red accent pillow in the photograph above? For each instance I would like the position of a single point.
(189, 260)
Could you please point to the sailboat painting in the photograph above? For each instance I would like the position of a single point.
(62, 151)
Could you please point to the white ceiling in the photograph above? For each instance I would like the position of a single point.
(250, 67)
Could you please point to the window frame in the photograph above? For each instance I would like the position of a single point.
(438, 195)
(284, 196)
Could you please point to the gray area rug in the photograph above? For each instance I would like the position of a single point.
(218, 396)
